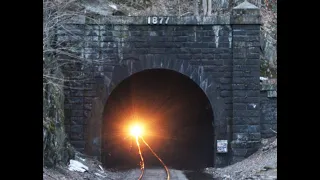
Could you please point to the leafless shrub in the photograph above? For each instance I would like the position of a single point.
(57, 54)
(156, 7)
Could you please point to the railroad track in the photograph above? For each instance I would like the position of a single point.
(142, 160)
(155, 173)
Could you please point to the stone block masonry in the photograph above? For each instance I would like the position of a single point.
(219, 53)
(268, 109)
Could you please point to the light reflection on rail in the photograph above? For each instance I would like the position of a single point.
(141, 158)
(142, 161)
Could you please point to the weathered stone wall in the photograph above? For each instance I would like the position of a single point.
(220, 53)
(246, 91)
(268, 109)
(201, 52)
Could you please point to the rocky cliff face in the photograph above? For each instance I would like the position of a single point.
(269, 42)
(56, 148)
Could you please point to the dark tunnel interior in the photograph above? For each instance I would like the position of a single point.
(176, 117)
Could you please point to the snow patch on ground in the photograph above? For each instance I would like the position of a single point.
(263, 78)
(77, 166)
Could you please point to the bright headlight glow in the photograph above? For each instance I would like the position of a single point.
(136, 130)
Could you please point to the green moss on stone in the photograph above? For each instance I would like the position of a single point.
(51, 127)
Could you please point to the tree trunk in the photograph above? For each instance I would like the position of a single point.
(204, 7)
(196, 7)
(209, 7)
(179, 7)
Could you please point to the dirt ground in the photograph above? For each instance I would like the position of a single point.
(262, 165)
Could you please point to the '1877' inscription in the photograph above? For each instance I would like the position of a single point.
(158, 20)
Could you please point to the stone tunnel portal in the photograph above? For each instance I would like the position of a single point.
(176, 116)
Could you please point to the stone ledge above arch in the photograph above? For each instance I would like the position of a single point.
(204, 80)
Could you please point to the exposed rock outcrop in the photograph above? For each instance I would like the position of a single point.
(56, 148)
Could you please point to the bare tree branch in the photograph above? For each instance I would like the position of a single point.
(273, 131)
(209, 7)
(196, 7)
(59, 53)
(204, 7)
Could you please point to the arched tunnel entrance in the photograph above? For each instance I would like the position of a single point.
(176, 117)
